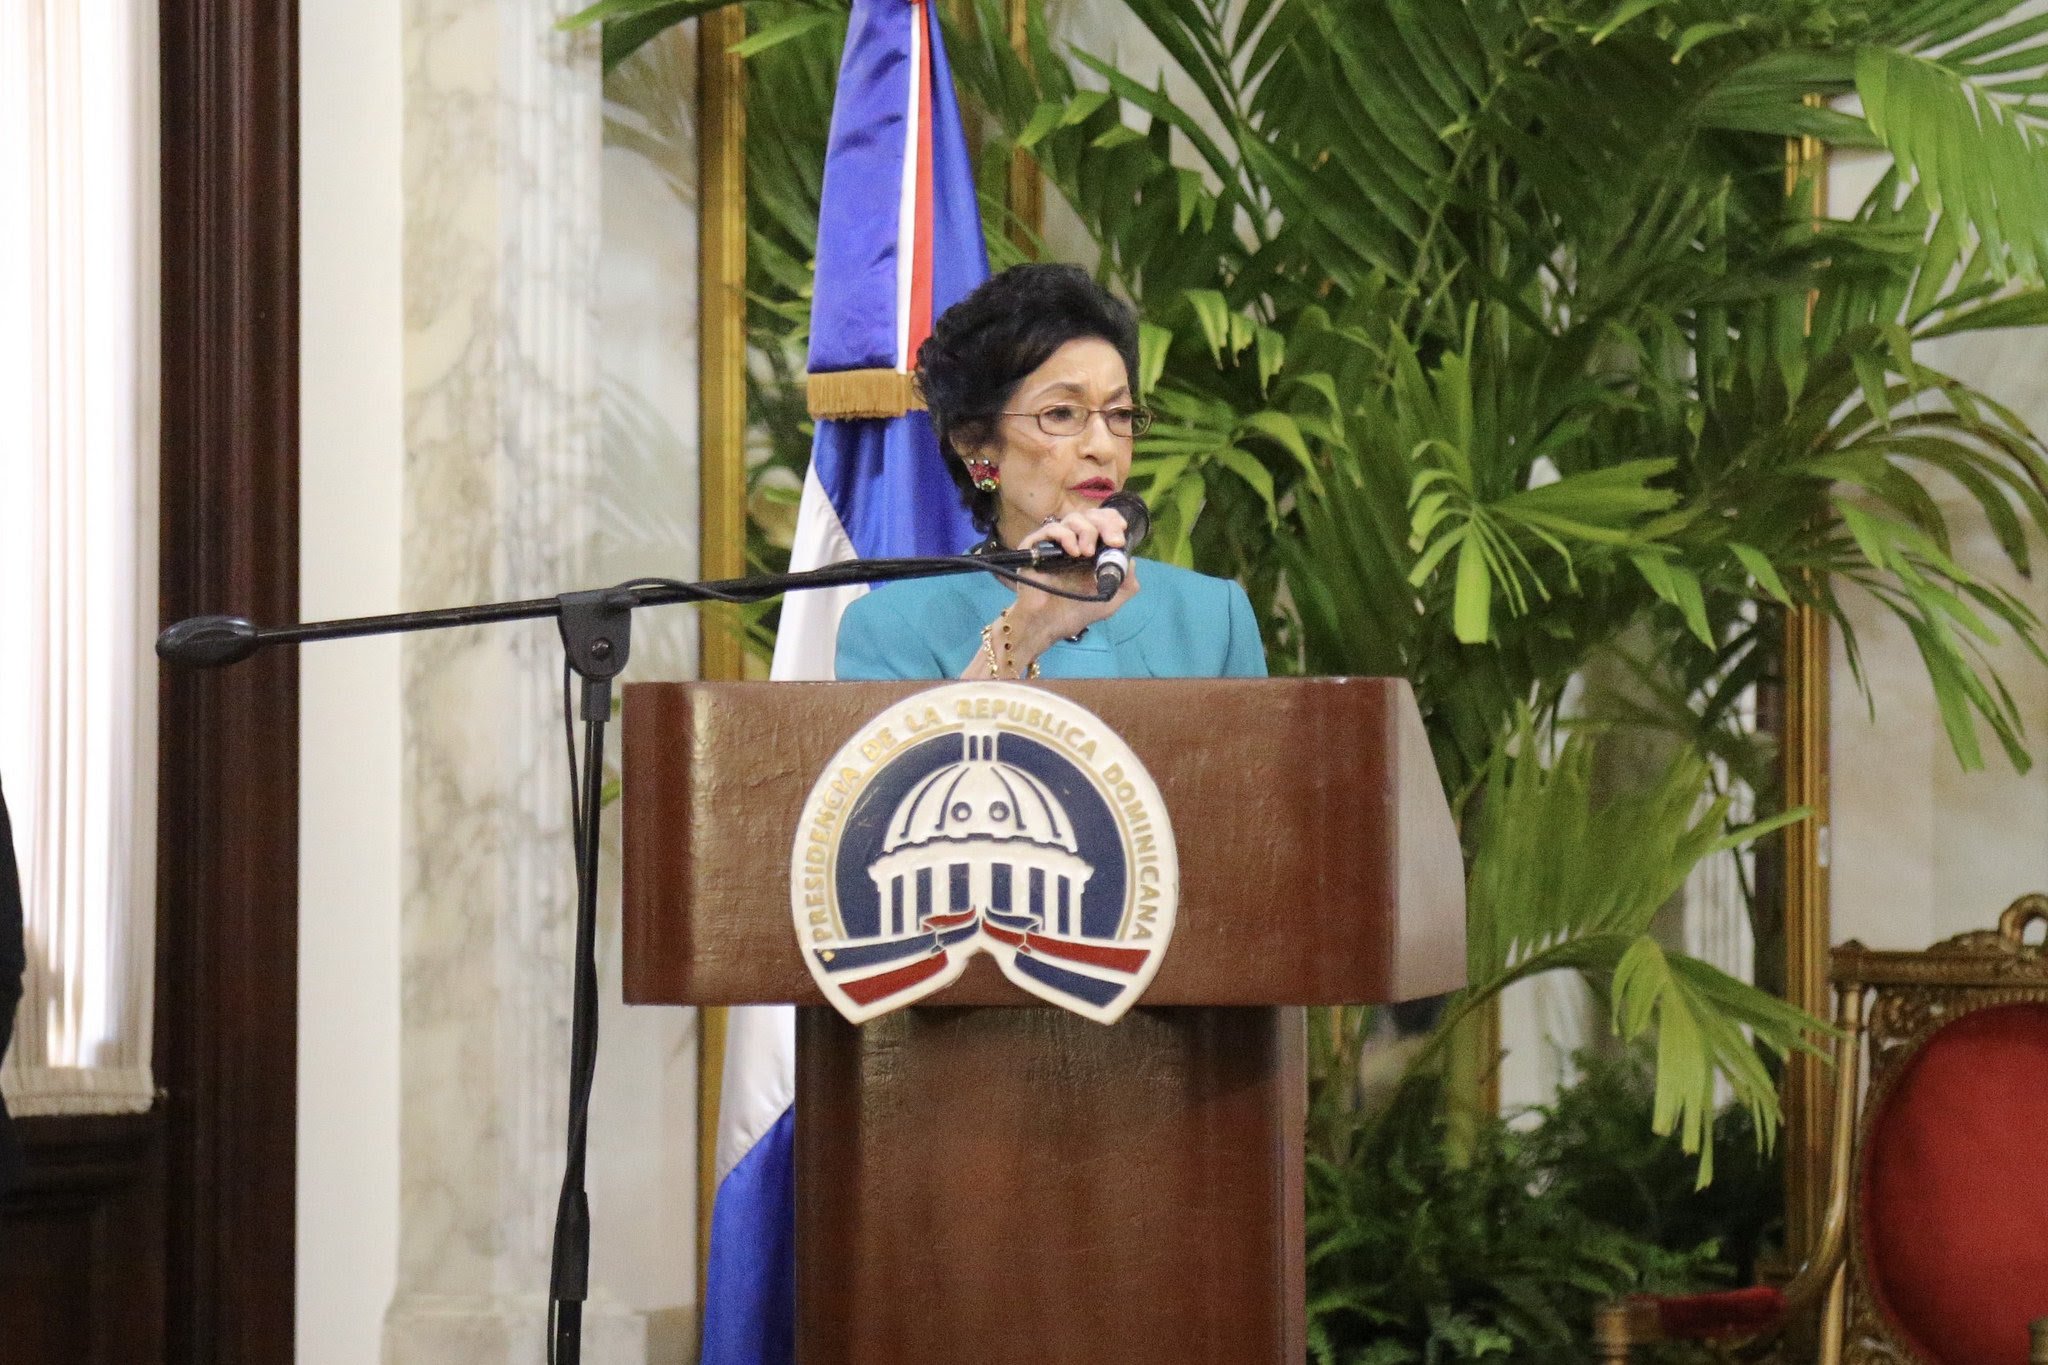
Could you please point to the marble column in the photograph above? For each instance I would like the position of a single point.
(502, 147)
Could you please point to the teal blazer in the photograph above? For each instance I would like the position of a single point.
(1181, 624)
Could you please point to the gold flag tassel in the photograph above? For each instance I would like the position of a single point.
(843, 395)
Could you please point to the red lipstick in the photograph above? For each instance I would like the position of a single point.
(1093, 488)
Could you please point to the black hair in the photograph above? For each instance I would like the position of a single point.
(984, 346)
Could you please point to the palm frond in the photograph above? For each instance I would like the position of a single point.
(1973, 143)
(1563, 879)
(628, 25)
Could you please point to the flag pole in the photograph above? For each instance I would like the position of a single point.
(721, 455)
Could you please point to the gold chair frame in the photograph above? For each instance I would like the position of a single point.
(1910, 995)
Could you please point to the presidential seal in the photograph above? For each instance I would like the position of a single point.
(984, 817)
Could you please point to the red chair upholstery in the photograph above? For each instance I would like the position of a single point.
(1954, 1199)
(1715, 1317)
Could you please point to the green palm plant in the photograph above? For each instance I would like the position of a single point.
(1563, 879)
(1488, 338)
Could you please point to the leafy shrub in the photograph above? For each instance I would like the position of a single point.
(1595, 1152)
(1419, 1251)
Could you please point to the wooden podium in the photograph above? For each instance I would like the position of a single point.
(985, 1178)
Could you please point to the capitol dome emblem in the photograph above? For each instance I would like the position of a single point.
(984, 818)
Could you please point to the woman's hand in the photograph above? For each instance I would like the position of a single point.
(1039, 619)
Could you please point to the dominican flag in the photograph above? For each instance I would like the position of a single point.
(899, 242)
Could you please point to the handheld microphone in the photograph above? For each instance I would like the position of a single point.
(1113, 563)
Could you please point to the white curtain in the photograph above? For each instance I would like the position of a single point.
(78, 282)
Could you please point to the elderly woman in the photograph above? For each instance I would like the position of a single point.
(1028, 381)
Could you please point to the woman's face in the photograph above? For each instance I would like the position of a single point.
(1049, 476)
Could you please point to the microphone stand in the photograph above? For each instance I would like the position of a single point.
(597, 630)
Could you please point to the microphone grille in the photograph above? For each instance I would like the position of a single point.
(1137, 517)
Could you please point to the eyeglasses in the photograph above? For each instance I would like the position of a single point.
(1071, 419)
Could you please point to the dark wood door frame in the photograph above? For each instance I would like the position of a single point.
(227, 863)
